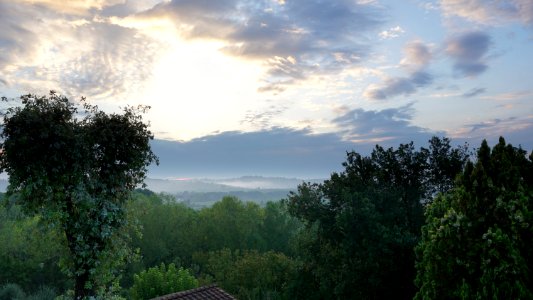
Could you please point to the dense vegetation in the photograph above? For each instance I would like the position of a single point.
(428, 223)
(76, 172)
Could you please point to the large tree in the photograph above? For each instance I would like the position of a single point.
(477, 240)
(76, 169)
(363, 223)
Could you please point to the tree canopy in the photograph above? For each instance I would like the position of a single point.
(76, 169)
(363, 223)
(477, 240)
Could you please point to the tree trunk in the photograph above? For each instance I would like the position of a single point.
(80, 292)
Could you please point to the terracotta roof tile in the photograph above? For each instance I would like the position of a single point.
(209, 292)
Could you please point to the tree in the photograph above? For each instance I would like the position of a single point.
(278, 228)
(229, 223)
(29, 253)
(77, 171)
(363, 223)
(477, 240)
(251, 274)
(159, 281)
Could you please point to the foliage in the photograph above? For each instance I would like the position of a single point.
(251, 274)
(230, 223)
(43, 293)
(76, 171)
(160, 281)
(363, 223)
(168, 229)
(11, 291)
(478, 239)
(29, 253)
(278, 228)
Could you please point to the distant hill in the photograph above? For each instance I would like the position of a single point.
(259, 182)
(184, 185)
(245, 183)
(198, 193)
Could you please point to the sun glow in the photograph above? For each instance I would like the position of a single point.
(201, 90)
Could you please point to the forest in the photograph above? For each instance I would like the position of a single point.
(442, 222)
(399, 223)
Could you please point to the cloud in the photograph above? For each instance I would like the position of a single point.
(398, 86)
(515, 130)
(490, 12)
(390, 126)
(274, 152)
(295, 39)
(17, 40)
(300, 153)
(46, 49)
(524, 95)
(417, 57)
(77, 7)
(263, 119)
(392, 33)
(468, 51)
(474, 92)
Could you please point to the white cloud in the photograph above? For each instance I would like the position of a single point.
(393, 32)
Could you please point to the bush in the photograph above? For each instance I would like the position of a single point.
(160, 281)
(11, 291)
(43, 293)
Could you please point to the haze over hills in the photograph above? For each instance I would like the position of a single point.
(201, 192)
(223, 185)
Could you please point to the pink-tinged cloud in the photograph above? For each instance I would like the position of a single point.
(490, 12)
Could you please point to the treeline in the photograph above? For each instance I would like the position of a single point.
(242, 246)
(401, 223)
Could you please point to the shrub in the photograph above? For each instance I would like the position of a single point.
(158, 281)
(11, 291)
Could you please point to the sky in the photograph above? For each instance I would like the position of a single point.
(281, 87)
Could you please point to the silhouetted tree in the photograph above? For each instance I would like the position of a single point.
(363, 223)
(77, 171)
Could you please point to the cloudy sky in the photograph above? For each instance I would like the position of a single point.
(281, 87)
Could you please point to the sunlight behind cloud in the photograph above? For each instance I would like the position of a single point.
(200, 89)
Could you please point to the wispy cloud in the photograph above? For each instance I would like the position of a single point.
(391, 33)
(294, 39)
(516, 130)
(474, 92)
(490, 12)
(525, 95)
(417, 56)
(395, 86)
(263, 119)
(387, 127)
(43, 47)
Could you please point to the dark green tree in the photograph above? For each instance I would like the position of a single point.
(478, 238)
(252, 274)
(278, 228)
(229, 223)
(362, 224)
(77, 171)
